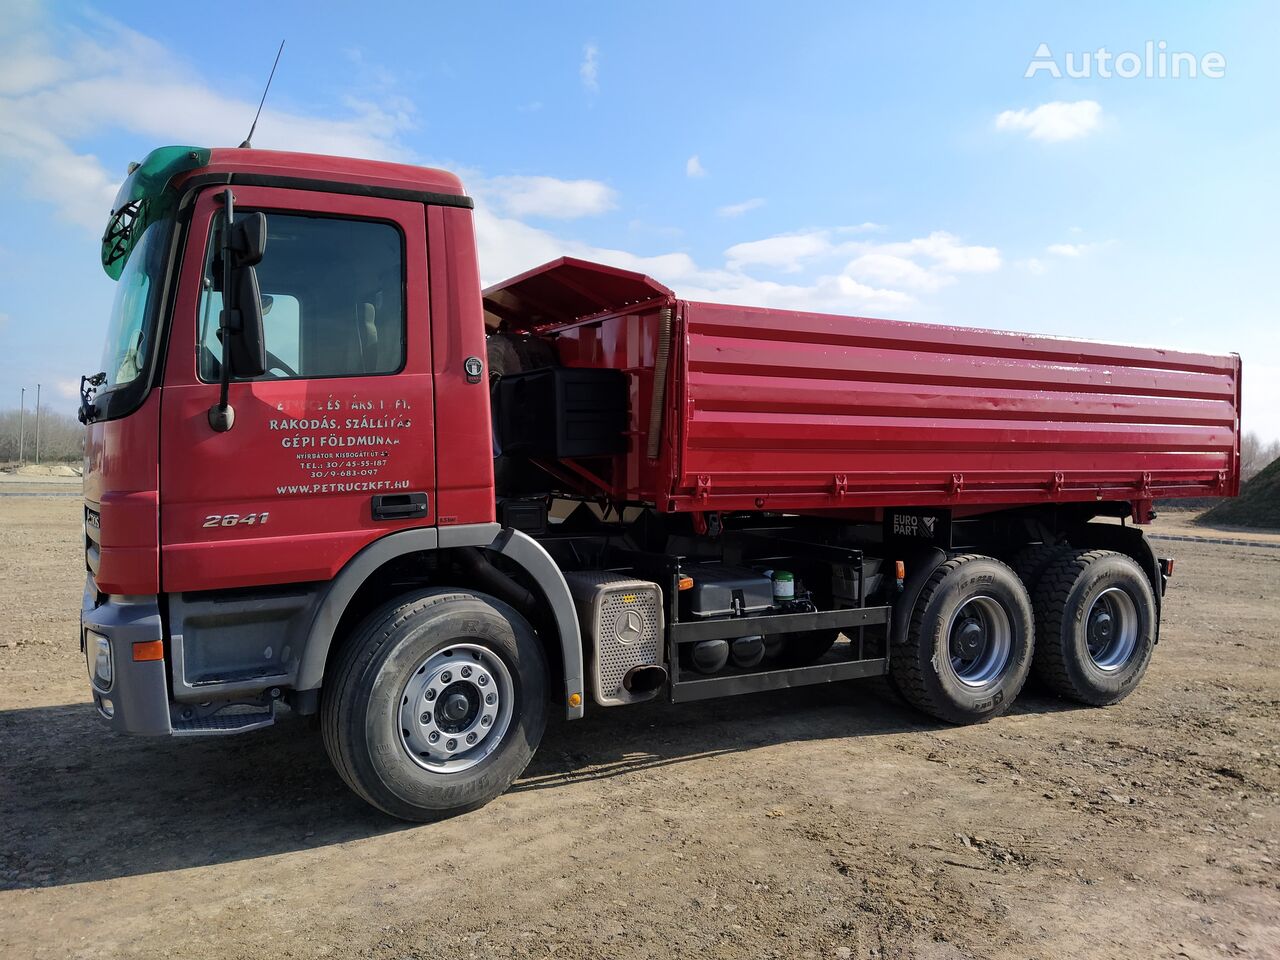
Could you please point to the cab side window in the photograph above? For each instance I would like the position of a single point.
(332, 299)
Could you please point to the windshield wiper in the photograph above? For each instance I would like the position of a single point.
(88, 389)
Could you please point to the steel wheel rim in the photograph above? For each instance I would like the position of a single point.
(979, 641)
(456, 708)
(1111, 629)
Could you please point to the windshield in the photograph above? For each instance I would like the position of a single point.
(133, 317)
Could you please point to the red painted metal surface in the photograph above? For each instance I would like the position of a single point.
(566, 290)
(121, 483)
(784, 410)
(289, 455)
(464, 438)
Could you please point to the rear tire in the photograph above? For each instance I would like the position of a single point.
(968, 646)
(1095, 626)
(436, 704)
(1030, 563)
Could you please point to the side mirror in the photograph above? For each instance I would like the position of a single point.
(248, 240)
(248, 348)
(244, 349)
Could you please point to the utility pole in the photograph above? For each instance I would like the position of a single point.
(22, 426)
(37, 423)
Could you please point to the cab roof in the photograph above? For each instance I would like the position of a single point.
(152, 187)
(314, 166)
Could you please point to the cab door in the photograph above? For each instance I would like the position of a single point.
(334, 446)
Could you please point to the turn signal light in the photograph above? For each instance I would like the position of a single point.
(686, 583)
(899, 570)
(148, 650)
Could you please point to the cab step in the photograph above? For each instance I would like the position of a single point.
(234, 718)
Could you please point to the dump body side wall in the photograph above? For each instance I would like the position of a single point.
(789, 410)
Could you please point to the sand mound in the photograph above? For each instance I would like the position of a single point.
(48, 470)
(1257, 506)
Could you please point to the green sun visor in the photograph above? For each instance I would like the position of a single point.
(143, 198)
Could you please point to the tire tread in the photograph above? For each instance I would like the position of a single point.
(1053, 592)
(907, 668)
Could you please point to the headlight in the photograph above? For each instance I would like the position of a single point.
(97, 655)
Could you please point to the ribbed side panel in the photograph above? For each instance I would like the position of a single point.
(813, 410)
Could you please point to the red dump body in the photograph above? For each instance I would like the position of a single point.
(782, 410)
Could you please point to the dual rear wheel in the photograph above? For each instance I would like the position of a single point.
(1086, 627)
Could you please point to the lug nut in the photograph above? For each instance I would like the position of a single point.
(431, 694)
(465, 671)
(446, 677)
(471, 738)
(425, 718)
(491, 698)
(486, 720)
(452, 744)
(433, 737)
(482, 680)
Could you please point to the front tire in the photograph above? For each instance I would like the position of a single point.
(967, 648)
(437, 703)
(1095, 626)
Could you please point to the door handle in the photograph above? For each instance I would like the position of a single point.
(399, 506)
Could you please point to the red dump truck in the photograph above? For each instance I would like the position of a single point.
(326, 470)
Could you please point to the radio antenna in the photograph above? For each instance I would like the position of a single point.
(248, 140)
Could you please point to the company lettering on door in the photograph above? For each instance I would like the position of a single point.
(343, 445)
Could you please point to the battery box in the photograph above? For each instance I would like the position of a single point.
(722, 591)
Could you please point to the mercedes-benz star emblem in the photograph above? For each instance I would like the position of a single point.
(629, 627)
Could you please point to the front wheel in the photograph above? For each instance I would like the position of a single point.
(436, 705)
(967, 648)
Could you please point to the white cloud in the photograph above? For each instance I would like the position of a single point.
(1067, 249)
(949, 253)
(1055, 121)
(693, 167)
(924, 263)
(896, 271)
(787, 252)
(589, 68)
(738, 209)
(547, 196)
(1075, 249)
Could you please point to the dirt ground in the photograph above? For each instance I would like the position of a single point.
(823, 822)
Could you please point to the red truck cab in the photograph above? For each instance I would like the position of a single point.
(324, 469)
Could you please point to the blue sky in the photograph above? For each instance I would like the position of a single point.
(852, 158)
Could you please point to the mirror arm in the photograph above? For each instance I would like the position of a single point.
(221, 415)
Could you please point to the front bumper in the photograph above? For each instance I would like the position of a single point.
(137, 699)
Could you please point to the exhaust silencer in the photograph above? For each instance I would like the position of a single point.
(644, 678)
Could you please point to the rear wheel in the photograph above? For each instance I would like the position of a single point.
(1031, 562)
(1095, 623)
(436, 705)
(967, 649)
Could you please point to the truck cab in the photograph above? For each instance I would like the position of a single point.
(291, 497)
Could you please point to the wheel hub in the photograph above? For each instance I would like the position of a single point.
(455, 708)
(1111, 629)
(969, 640)
(980, 641)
